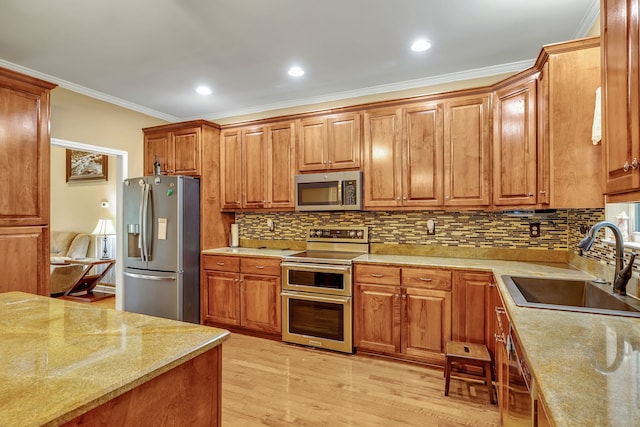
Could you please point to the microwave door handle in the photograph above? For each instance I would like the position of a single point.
(340, 190)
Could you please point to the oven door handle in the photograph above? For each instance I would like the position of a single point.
(315, 267)
(316, 297)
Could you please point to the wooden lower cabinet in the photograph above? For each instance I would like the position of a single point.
(402, 311)
(242, 292)
(473, 308)
(27, 269)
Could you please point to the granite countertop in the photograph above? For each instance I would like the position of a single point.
(586, 366)
(256, 252)
(62, 358)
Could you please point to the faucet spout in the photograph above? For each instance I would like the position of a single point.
(620, 284)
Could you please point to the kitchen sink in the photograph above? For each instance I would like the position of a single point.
(570, 295)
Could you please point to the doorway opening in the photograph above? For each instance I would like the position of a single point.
(121, 158)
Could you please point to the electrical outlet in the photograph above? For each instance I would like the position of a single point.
(534, 229)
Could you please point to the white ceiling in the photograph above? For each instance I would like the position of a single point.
(149, 55)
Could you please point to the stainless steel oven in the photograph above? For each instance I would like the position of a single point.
(317, 288)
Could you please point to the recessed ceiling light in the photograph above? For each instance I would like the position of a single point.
(203, 90)
(420, 45)
(296, 71)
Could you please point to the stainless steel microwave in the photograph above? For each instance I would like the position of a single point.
(331, 191)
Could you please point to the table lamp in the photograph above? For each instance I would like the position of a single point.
(104, 228)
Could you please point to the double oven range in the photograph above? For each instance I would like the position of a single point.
(317, 288)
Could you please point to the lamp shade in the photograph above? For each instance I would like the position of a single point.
(104, 228)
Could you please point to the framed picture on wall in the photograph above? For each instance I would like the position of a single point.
(86, 166)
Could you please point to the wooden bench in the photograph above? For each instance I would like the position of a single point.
(465, 353)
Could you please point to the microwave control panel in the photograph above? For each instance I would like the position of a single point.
(350, 190)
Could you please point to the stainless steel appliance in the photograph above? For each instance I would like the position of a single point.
(331, 191)
(162, 247)
(317, 288)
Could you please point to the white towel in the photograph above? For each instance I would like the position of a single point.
(596, 129)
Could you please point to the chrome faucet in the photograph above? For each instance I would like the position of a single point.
(619, 281)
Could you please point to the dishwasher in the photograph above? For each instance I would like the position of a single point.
(514, 376)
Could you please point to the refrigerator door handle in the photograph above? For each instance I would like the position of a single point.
(147, 277)
(144, 209)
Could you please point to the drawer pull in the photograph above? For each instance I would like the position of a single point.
(376, 275)
(220, 263)
(259, 267)
(426, 279)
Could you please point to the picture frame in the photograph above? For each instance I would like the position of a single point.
(86, 166)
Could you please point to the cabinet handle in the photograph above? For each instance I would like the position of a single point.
(259, 267)
(492, 285)
(500, 310)
(398, 198)
(376, 275)
(634, 163)
(426, 279)
(530, 194)
(499, 338)
(396, 296)
(220, 263)
(625, 167)
(543, 192)
(330, 162)
(404, 296)
(324, 162)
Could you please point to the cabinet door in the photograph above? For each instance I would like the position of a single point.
(281, 165)
(467, 145)
(620, 94)
(157, 144)
(221, 302)
(426, 323)
(382, 158)
(27, 269)
(422, 156)
(187, 152)
(377, 318)
(472, 313)
(514, 154)
(312, 145)
(254, 173)
(260, 303)
(24, 148)
(230, 182)
(344, 141)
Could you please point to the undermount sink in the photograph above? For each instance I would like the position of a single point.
(570, 295)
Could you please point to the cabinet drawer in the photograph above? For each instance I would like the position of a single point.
(266, 266)
(221, 263)
(377, 274)
(430, 278)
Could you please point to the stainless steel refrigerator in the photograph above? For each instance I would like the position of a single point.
(162, 247)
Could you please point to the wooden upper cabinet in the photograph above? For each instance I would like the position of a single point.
(330, 142)
(422, 164)
(382, 158)
(281, 164)
(467, 147)
(230, 182)
(253, 148)
(178, 147)
(186, 152)
(257, 167)
(24, 149)
(570, 173)
(515, 144)
(620, 97)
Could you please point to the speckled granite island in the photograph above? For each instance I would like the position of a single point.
(66, 363)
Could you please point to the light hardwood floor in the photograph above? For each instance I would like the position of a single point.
(269, 383)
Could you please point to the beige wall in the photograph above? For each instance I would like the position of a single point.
(78, 118)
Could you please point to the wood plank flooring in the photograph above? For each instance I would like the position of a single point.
(269, 383)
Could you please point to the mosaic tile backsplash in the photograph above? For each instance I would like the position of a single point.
(559, 232)
(465, 229)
